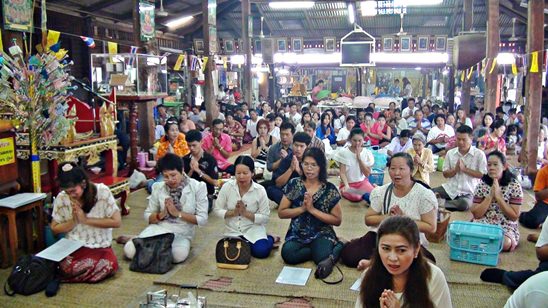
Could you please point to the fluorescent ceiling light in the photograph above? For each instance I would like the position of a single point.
(178, 22)
(506, 58)
(351, 13)
(291, 4)
(368, 8)
(404, 3)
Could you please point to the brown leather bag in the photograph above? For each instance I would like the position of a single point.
(233, 253)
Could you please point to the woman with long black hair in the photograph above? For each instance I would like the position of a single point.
(399, 275)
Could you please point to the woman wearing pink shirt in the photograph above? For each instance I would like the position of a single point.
(380, 134)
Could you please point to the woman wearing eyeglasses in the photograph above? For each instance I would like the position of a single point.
(85, 212)
(312, 204)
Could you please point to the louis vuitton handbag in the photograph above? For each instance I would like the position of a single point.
(233, 253)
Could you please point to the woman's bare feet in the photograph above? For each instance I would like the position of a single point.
(363, 264)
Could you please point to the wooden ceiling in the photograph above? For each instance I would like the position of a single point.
(326, 18)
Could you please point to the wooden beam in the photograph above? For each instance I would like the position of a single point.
(246, 48)
(467, 24)
(101, 5)
(535, 39)
(493, 41)
(212, 111)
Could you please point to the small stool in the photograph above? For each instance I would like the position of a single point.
(23, 203)
(119, 186)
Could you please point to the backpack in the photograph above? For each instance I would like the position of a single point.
(31, 274)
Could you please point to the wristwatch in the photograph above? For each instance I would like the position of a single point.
(180, 215)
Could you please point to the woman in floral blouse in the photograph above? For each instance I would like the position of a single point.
(495, 140)
(498, 198)
(235, 130)
(312, 204)
(85, 212)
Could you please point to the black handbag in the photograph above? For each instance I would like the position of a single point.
(233, 253)
(153, 254)
(31, 274)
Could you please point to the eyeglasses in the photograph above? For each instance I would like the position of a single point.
(308, 165)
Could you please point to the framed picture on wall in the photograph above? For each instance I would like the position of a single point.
(422, 43)
(281, 44)
(387, 43)
(441, 43)
(199, 46)
(329, 44)
(405, 43)
(297, 44)
(229, 46)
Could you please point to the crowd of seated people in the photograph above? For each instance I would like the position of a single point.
(295, 146)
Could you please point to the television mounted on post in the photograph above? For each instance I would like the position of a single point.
(357, 48)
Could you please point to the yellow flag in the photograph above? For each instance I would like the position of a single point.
(462, 76)
(493, 66)
(179, 62)
(225, 62)
(61, 54)
(514, 69)
(39, 48)
(112, 48)
(204, 65)
(534, 62)
(470, 73)
(53, 37)
(1, 44)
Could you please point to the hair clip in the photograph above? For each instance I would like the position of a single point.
(66, 167)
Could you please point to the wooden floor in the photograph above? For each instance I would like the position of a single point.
(256, 287)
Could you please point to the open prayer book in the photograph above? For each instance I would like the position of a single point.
(294, 275)
(60, 250)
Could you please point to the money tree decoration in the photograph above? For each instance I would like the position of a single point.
(34, 90)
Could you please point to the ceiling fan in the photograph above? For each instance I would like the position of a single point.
(161, 12)
(401, 33)
(514, 38)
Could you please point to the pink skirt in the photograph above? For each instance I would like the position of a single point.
(89, 265)
(364, 186)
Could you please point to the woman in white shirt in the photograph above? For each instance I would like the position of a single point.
(176, 205)
(244, 206)
(85, 212)
(355, 166)
(462, 118)
(403, 197)
(439, 135)
(399, 274)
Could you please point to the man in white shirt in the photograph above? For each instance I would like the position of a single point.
(517, 279)
(463, 167)
(344, 133)
(533, 293)
(402, 143)
(409, 111)
(294, 115)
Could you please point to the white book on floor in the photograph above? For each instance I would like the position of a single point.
(60, 250)
(356, 285)
(294, 275)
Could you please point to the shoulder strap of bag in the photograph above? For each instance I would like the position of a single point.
(338, 280)
(9, 293)
(387, 195)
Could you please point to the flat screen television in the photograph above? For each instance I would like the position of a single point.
(356, 54)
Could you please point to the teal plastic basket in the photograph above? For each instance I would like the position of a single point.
(380, 159)
(475, 242)
(376, 177)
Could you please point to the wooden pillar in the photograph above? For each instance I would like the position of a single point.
(246, 37)
(535, 42)
(451, 89)
(493, 41)
(467, 26)
(210, 22)
(272, 93)
(136, 24)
